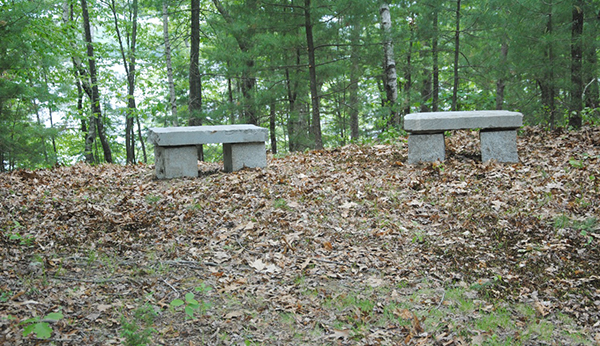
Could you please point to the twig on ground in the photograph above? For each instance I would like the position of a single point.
(168, 284)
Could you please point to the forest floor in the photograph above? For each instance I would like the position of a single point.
(345, 246)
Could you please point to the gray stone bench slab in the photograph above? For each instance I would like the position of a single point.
(176, 155)
(498, 134)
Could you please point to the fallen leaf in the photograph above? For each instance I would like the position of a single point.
(340, 334)
(103, 307)
(540, 309)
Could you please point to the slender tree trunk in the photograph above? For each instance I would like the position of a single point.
(81, 80)
(128, 56)
(131, 104)
(591, 90)
(248, 78)
(353, 88)
(96, 123)
(436, 70)
(137, 118)
(195, 102)
(455, 106)
(172, 101)
(547, 84)
(576, 102)
(389, 64)
(52, 137)
(84, 129)
(500, 83)
(312, 69)
(293, 127)
(426, 85)
(272, 128)
(408, 74)
(42, 137)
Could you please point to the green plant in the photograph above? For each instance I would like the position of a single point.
(561, 221)
(280, 203)
(139, 331)
(40, 326)
(418, 237)
(15, 235)
(576, 163)
(190, 303)
(5, 296)
(152, 199)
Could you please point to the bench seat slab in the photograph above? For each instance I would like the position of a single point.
(499, 145)
(237, 156)
(426, 147)
(434, 122)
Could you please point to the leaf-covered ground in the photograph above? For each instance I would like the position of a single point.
(348, 246)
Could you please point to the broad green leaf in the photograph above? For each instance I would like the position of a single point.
(189, 297)
(54, 316)
(176, 303)
(27, 330)
(189, 311)
(42, 330)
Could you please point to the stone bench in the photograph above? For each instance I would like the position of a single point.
(498, 134)
(176, 154)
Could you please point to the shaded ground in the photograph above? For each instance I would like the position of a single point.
(348, 246)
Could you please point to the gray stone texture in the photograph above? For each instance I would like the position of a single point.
(445, 121)
(499, 145)
(176, 154)
(175, 162)
(426, 147)
(237, 156)
(194, 135)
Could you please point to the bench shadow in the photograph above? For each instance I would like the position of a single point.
(206, 169)
(464, 156)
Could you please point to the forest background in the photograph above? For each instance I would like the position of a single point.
(84, 80)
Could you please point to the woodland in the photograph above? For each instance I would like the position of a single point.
(338, 241)
(83, 80)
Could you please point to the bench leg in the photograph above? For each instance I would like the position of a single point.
(499, 145)
(426, 147)
(175, 162)
(239, 155)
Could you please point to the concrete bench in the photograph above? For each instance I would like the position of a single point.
(498, 133)
(176, 154)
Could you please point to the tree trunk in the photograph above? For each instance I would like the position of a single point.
(315, 127)
(591, 90)
(128, 56)
(248, 78)
(293, 124)
(389, 64)
(547, 84)
(272, 128)
(172, 101)
(500, 83)
(131, 104)
(96, 123)
(576, 99)
(353, 88)
(436, 70)
(408, 74)
(195, 102)
(426, 86)
(455, 106)
(137, 118)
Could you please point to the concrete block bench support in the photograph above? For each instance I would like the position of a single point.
(498, 134)
(176, 154)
